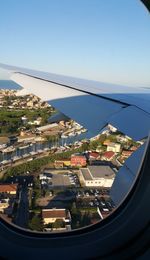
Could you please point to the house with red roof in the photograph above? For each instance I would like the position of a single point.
(50, 216)
(94, 156)
(108, 156)
(9, 188)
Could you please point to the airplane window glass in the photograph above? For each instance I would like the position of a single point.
(55, 174)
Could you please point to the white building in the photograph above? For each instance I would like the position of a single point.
(97, 176)
(114, 147)
(50, 216)
(122, 138)
(112, 128)
(46, 127)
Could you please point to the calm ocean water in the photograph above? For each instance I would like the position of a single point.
(8, 84)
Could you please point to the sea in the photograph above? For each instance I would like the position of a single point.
(9, 84)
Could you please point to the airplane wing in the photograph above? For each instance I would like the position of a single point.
(92, 104)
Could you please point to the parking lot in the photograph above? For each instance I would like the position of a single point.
(104, 203)
(61, 180)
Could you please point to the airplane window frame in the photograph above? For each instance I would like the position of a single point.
(117, 225)
(115, 236)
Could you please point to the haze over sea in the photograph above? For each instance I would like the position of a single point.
(8, 84)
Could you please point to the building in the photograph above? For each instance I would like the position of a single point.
(107, 142)
(24, 119)
(94, 156)
(46, 127)
(9, 188)
(29, 103)
(108, 156)
(122, 139)
(35, 122)
(50, 216)
(134, 148)
(78, 160)
(112, 128)
(13, 140)
(62, 163)
(114, 147)
(126, 153)
(97, 176)
(4, 203)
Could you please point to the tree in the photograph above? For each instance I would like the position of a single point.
(94, 144)
(59, 223)
(102, 138)
(36, 223)
(85, 147)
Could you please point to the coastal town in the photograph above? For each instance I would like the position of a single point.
(54, 178)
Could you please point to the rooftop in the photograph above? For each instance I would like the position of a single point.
(86, 174)
(94, 154)
(54, 213)
(8, 187)
(46, 127)
(108, 154)
(97, 172)
(113, 144)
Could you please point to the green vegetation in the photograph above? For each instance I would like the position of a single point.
(10, 120)
(82, 217)
(35, 223)
(37, 165)
(58, 224)
(93, 145)
(52, 138)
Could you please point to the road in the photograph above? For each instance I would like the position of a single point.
(4, 168)
(23, 208)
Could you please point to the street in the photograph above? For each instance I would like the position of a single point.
(23, 208)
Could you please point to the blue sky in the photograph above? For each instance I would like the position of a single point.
(105, 40)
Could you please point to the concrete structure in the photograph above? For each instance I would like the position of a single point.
(97, 176)
(114, 147)
(62, 163)
(46, 127)
(8, 188)
(49, 216)
(60, 181)
(78, 160)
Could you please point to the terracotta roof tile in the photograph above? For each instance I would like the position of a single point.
(8, 187)
(54, 213)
